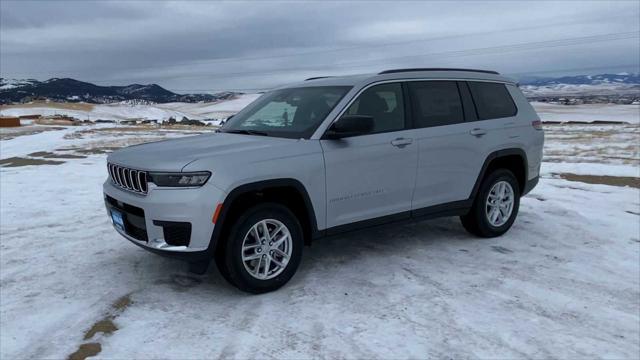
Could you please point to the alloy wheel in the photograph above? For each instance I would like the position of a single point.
(499, 204)
(266, 249)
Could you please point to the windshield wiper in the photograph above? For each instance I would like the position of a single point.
(246, 132)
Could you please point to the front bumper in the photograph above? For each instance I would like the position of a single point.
(145, 216)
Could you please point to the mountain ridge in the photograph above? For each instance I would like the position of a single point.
(599, 79)
(71, 90)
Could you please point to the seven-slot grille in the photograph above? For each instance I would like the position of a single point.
(128, 179)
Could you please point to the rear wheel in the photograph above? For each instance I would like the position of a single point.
(496, 205)
(264, 249)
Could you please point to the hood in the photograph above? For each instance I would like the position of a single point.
(175, 154)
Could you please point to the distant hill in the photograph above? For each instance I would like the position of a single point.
(622, 78)
(70, 90)
(621, 88)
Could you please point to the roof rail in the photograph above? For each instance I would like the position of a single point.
(436, 69)
(317, 77)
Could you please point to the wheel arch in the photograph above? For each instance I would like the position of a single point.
(513, 159)
(286, 191)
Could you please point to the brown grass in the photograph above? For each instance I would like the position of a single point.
(63, 106)
(20, 161)
(50, 155)
(603, 179)
(105, 326)
(85, 351)
(59, 122)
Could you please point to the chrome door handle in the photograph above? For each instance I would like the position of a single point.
(401, 142)
(477, 132)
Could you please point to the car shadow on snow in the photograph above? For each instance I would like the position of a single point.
(329, 256)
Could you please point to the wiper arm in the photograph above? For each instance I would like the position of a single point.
(246, 132)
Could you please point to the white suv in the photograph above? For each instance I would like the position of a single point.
(325, 156)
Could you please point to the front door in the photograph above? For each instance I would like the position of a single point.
(373, 175)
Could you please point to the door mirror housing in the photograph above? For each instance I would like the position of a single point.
(350, 125)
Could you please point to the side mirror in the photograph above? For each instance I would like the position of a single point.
(350, 125)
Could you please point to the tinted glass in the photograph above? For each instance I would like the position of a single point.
(436, 103)
(292, 113)
(384, 103)
(467, 102)
(492, 100)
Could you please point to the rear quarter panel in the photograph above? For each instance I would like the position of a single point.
(528, 138)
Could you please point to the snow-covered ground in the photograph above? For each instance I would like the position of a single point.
(118, 112)
(588, 112)
(611, 88)
(562, 283)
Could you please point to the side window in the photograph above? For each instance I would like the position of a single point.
(435, 103)
(492, 100)
(384, 103)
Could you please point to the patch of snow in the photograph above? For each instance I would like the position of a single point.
(38, 142)
(589, 169)
(588, 112)
(6, 84)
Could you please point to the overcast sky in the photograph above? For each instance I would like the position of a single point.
(210, 46)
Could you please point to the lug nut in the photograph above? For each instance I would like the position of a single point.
(264, 256)
(259, 250)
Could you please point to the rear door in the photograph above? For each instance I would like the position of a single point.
(449, 155)
(372, 175)
(496, 115)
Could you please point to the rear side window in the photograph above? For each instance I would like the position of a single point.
(435, 103)
(384, 103)
(492, 100)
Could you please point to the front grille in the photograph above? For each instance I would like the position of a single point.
(128, 179)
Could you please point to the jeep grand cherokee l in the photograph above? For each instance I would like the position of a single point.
(328, 155)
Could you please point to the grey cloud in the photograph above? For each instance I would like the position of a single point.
(200, 46)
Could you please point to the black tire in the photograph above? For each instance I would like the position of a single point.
(476, 221)
(233, 268)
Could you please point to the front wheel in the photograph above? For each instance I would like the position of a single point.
(264, 249)
(496, 205)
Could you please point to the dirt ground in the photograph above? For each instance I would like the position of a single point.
(603, 179)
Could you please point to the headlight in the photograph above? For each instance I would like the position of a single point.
(189, 179)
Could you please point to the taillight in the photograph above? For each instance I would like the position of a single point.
(537, 124)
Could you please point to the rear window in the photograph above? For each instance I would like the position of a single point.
(435, 103)
(492, 100)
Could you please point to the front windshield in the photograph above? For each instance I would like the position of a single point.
(291, 113)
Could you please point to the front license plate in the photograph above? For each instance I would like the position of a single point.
(118, 221)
